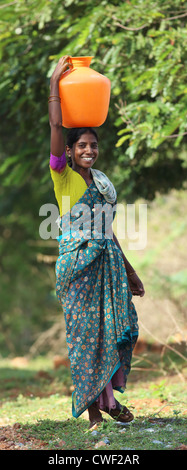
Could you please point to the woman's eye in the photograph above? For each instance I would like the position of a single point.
(94, 145)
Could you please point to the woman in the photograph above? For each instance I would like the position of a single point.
(95, 281)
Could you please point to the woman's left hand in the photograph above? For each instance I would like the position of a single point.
(136, 285)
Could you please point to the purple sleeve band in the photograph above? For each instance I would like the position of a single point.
(58, 163)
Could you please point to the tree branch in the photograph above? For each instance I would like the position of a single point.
(175, 17)
(174, 135)
(126, 27)
(5, 5)
(146, 25)
(162, 342)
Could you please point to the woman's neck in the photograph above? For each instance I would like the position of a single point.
(84, 172)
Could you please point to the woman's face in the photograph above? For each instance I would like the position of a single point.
(84, 152)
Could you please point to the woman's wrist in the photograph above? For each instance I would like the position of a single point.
(54, 86)
(54, 102)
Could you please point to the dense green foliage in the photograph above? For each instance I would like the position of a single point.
(141, 46)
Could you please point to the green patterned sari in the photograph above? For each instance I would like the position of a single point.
(92, 287)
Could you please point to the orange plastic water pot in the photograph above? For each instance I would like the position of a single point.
(85, 95)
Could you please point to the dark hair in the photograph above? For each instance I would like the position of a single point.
(74, 135)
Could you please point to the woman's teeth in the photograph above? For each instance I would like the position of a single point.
(87, 159)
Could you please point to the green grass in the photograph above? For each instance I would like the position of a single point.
(41, 403)
(141, 434)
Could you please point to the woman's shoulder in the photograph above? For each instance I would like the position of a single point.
(68, 177)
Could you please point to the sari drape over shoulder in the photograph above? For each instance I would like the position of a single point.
(92, 287)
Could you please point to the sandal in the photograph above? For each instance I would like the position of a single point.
(123, 415)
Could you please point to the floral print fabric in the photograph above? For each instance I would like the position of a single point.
(101, 320)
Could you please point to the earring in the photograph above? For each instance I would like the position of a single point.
(69, 160)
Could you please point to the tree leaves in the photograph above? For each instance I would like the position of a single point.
(140, 46)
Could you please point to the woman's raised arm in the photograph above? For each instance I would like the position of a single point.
(55, 114)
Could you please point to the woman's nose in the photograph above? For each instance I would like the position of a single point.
(89, 149)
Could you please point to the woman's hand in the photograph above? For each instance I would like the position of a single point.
(135, 285)
(60, 68)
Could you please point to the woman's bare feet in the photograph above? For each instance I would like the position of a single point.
(95, 415)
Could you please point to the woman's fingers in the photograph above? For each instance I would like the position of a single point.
(61, 67)
(65, 60)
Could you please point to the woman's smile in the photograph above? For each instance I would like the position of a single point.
(87, 159)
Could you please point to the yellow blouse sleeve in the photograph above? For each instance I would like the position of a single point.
(67, 183)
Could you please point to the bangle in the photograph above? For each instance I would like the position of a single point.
(54, 98)
(50, 101)
(131, 273)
